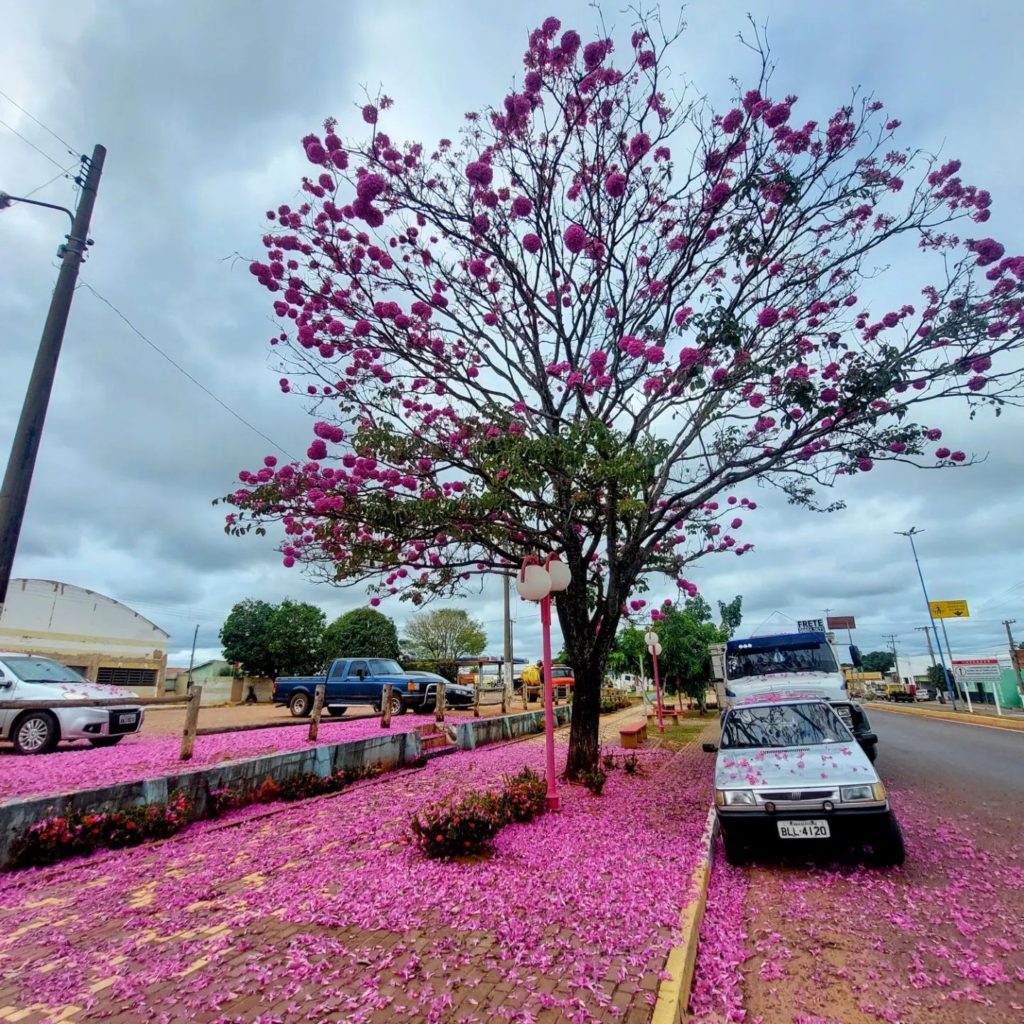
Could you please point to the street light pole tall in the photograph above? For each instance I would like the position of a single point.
(25, 447)
(910, 534)
(537, 582)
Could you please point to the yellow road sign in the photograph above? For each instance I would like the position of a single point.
(949, 609)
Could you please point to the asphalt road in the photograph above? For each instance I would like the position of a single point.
(981, 762)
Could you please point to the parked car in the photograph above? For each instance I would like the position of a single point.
(361, 681)
(924, 694)
(33, 679)
(790, 771)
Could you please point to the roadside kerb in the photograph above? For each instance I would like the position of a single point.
(393, 750)
(481, 731)
(964, 717)
(674, 992)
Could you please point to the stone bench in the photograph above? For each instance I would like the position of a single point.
(632, 736)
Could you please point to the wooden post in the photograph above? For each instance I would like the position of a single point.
(439, 703)
(504, 693)
(476, 698)
(318, 705)
(385, 706)
(188, 736)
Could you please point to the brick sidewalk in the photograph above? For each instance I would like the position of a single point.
(317, 912)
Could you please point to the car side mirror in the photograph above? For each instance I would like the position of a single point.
(709, 748)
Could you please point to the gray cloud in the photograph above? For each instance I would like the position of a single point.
(202, 107)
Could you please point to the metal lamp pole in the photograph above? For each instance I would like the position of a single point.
(538, 582)
(654, 646)
(910, 534)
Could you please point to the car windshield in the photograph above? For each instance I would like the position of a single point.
(783, 725)
(780, 660)
(43, 670)
(385, 667)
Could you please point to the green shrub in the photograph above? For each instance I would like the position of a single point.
(455, 827)
(524, 795)
(594, 779)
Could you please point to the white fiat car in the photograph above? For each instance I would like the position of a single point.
(790, 772)
(37, 730)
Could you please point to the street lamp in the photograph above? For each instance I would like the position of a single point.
(537, 582)
(654, 646)
(909, 534)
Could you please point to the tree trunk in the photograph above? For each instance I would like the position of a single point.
(589, 656)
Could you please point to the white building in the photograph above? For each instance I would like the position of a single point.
(100, 637)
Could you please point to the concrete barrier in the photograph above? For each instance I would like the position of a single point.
(481, 731)
(245, 775)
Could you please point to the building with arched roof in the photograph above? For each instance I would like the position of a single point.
(98, 635)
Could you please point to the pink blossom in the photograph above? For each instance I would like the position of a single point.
(615, 184)
(531, 243)
(768, 317)
(575, 238)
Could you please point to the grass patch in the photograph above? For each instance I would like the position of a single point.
(681, 734)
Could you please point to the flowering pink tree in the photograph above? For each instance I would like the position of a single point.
(590, 323)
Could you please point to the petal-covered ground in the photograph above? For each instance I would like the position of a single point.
(143, 757)
(939, 940)
(319, 911)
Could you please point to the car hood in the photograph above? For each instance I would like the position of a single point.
(834, 764)
(71, 691)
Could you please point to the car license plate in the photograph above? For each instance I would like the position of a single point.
(128, 719)
(814, 829)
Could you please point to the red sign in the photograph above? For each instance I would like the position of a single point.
(842, 622)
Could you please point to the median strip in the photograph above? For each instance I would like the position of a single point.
(964, 717)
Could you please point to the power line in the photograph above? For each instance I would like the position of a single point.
(45, 128)
(28, 142)
(202, 387)
(62, 174)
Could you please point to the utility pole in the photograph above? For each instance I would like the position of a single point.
(928, 636)
(910, 534)
(22, 460)
(1014, 661)
(961, 683)
(895, 657)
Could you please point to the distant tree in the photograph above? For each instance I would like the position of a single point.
(362, 633)
(295, 638)
(878, 661)
(244, 637)
(444, 635)
(936, 677)
(731, 614)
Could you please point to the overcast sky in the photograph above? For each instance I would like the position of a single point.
(201, 105)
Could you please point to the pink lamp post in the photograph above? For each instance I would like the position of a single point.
(538, 582)
(654, 646)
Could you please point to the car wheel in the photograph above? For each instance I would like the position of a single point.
(35, 733)
(736, 853)
(336, 711)
(888, 844)
(397, 707)
(300, 705)
(106, 741)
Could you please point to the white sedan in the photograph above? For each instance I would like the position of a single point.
(37, 730)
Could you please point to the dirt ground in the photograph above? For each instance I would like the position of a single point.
(169, 721)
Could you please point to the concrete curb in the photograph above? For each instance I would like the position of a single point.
(674, 994)
(964, 717)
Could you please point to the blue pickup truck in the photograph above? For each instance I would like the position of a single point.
(361, 681)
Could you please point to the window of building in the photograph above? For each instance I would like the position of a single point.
(126, 676)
